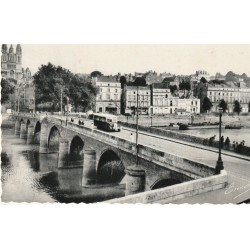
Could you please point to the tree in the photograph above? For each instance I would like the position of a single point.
(140, 81)
(123, 81)
(81, 93)
(206, 105)
(96, 73)
(223, 105)
(237, 107)
(49, 82)
(173, 88)
(7, 88)
(203, 80)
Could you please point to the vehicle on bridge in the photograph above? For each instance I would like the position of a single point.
(106, 122)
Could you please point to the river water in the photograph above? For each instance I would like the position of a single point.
(28, 176)
(236, 135)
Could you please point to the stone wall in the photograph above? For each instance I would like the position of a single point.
(189, 138)
(176, 192)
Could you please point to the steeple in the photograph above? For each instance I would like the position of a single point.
(4, 48)
(11, 50)
(18, 49)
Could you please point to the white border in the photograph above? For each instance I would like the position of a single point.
(135, 226)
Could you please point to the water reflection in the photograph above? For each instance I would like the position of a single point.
(28, 176)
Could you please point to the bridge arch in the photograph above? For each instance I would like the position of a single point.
(76, 149)
(110, 169)
(54, 139)
(164, 183)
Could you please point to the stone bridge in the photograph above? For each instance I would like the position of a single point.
(106, 158)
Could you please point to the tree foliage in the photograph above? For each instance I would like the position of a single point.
(96, 73)
(223, 105)
(50, 81)
(123, 81)
(237, 107)
(185, 85)
(206, 105)
(203, 80)
(7, 88)
(173, 88)
(140, 81)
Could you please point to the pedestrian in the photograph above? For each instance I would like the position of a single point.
(227, 143)
(234, 145)
(222, 141)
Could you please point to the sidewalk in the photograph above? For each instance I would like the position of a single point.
(194, 145)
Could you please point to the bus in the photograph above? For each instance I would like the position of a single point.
(106, 122)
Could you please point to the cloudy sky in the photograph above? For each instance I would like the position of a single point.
(111, 59)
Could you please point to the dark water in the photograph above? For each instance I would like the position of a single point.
(28, 176)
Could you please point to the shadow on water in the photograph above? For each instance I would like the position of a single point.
(30, 176)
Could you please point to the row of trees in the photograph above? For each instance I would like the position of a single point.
(207, 105)
(53, 81)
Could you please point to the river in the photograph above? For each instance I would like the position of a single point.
(236, 135)
(28, 176)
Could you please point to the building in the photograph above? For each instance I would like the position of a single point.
(162, 101)
(230, 94)
(190, 105)
(11, 62)
(23, 98)
(108, 100)
(202, 73)
(130, 99)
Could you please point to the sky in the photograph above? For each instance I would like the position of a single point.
(111, 59)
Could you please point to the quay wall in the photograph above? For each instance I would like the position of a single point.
(244, 150)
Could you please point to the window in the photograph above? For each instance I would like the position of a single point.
(171, 103)
(116, 90)
(100, 89)
(166, 96)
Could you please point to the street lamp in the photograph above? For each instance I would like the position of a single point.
(219, 165)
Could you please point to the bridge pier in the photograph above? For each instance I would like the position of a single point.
(44, 139)
(30, 134)
(63, 153)
(17, 128)
(135, 180)
(89, 167)
(23, 131)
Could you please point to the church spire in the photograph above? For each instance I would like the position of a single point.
(4, 48)
(18, 49)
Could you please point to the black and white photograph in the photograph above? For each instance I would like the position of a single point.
(132, 124)
(125, 124)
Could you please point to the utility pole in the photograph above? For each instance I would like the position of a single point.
(61, 103)
(137, 117)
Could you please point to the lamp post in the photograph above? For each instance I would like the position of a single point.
(219, 165)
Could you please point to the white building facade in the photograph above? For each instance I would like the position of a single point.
(130, 96)
(230, 95)
(108, 100)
